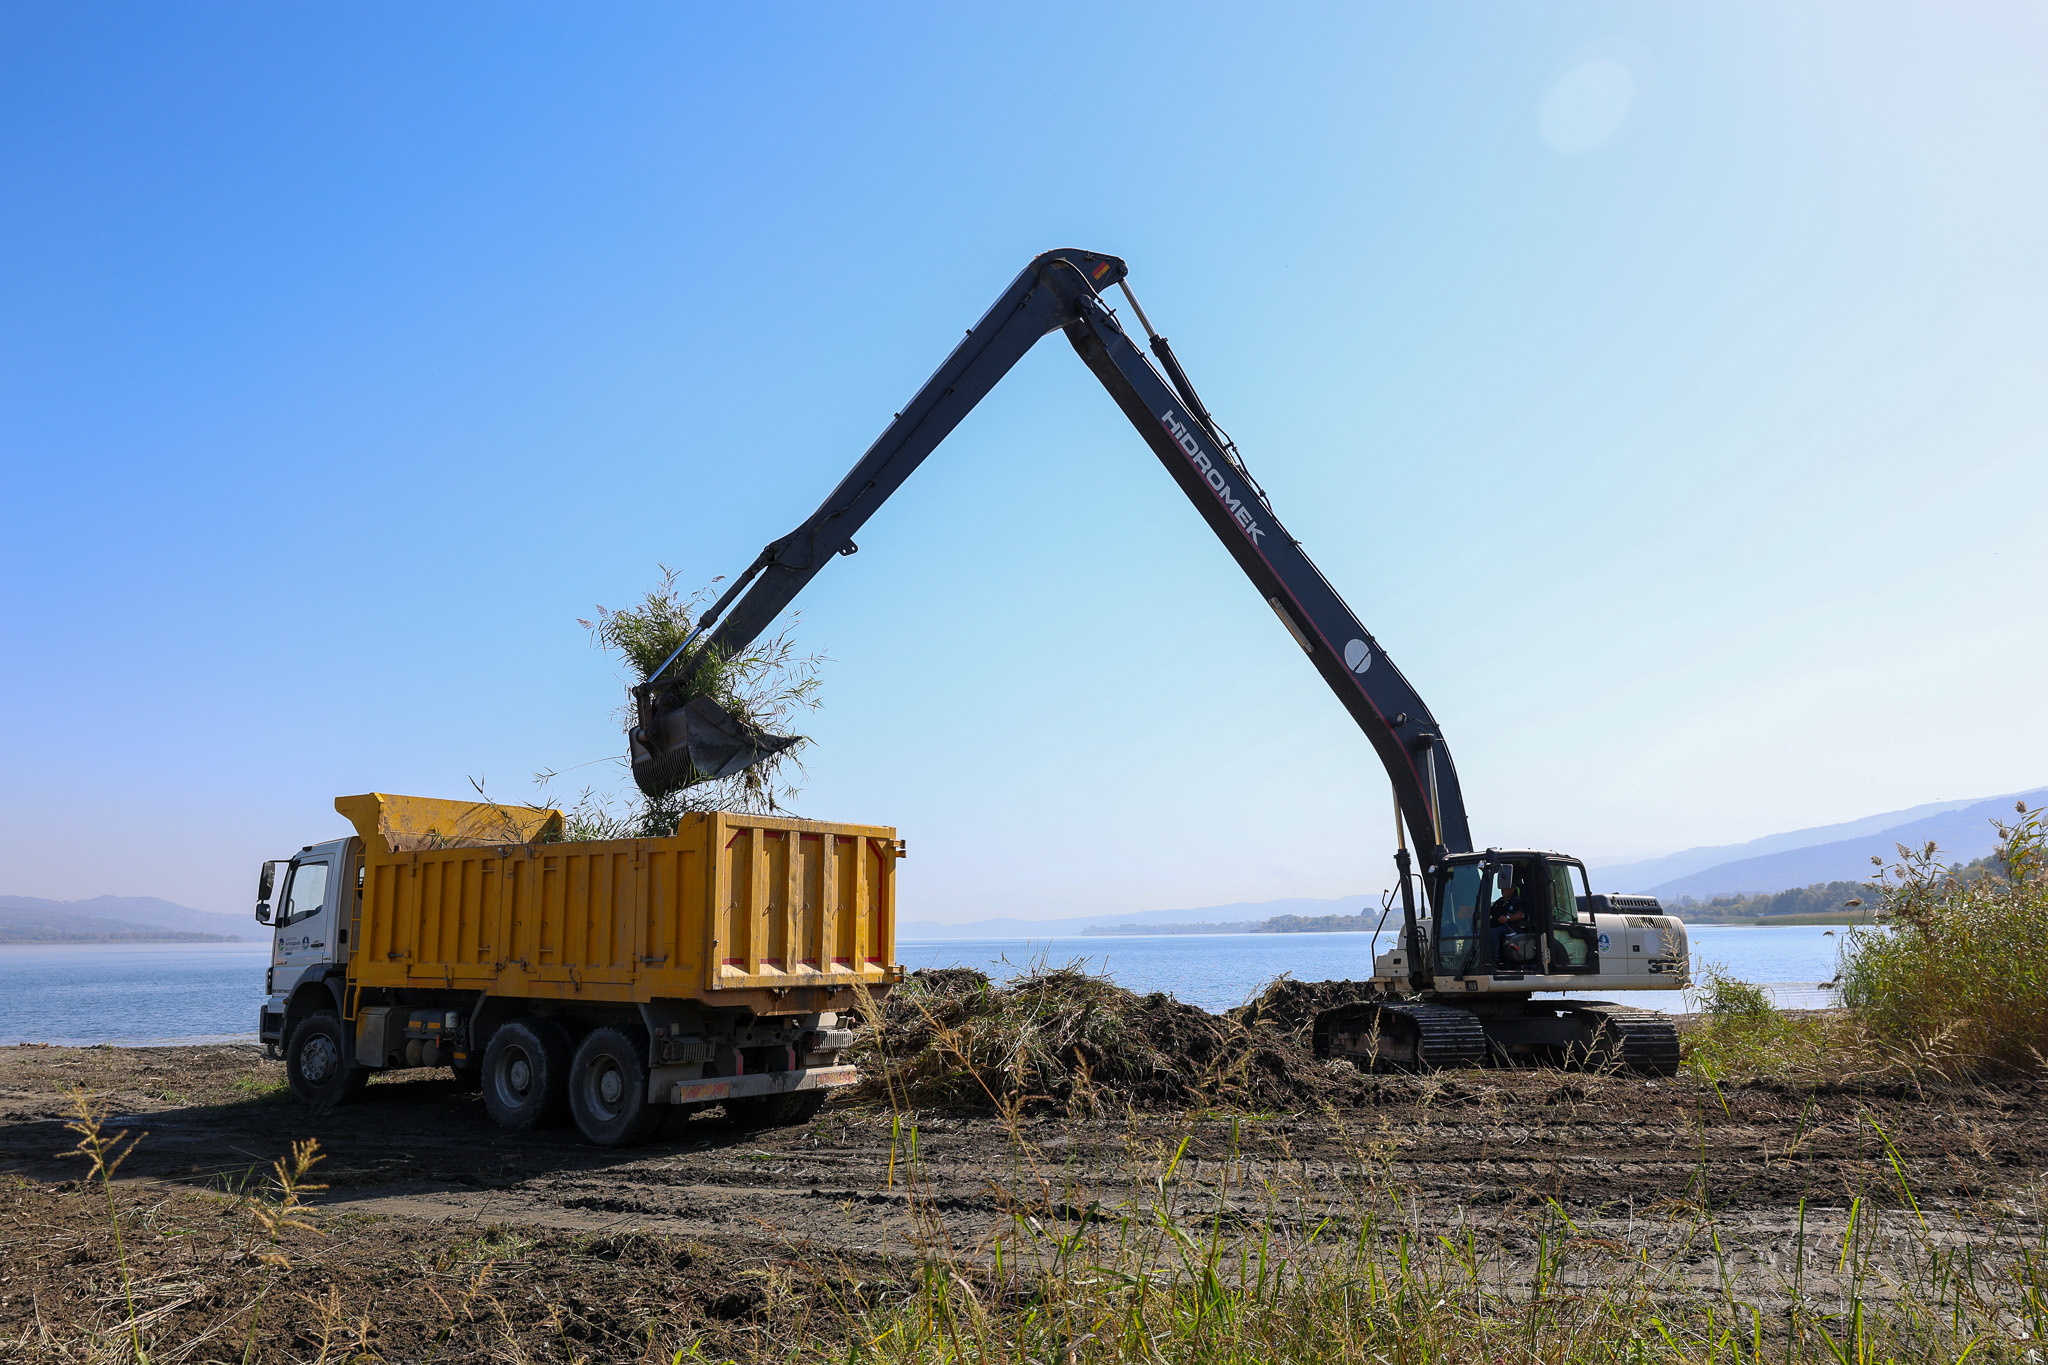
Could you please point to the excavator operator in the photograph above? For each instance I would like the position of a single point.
(1509, 919)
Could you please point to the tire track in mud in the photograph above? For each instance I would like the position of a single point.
(1490, 1150)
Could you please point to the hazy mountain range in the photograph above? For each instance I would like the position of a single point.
(115, 919)
(1779, 862)
(1776, 862)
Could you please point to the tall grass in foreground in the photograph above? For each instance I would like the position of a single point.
(1169, 1258)
(1222, 1269)
(1961, 964)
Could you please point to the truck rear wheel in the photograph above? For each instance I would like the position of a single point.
(316, 1061)
(775, 1111)
(526, 1074)
(608, 1089)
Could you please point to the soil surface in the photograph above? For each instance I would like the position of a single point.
(696, 1227)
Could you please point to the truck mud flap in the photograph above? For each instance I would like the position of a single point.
(715, 1088)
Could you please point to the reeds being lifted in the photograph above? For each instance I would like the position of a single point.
(755, 693)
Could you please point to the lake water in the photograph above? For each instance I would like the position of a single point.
(1217, 971)
(130, 992)
(201, 992)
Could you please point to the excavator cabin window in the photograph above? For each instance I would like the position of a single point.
(1571, 933)
(1457, 912)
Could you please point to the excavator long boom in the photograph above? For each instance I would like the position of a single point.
(1062, 290)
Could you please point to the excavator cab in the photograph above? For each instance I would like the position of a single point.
(1509, 932)
(1508, 915)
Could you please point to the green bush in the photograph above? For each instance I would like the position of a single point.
(1959, 966)
(1740, 1035)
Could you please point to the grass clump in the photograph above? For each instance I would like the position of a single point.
(1740, 1035)
(1960, 966)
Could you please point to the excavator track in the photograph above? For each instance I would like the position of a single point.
(1408, 1036)
(1638, 1039)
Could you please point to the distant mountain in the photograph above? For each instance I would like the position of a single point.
(1776, 862)
(1639, 876)
(911, 931)
(1963, 833)
(134, 919)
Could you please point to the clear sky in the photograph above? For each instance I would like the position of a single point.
(1664, 385)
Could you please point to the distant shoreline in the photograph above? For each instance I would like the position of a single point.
(10, 940)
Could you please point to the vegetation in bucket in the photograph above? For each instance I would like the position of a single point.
(762, 689)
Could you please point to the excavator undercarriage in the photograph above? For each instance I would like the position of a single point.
(1421, 1035)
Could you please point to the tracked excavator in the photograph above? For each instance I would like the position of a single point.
(1490, 940)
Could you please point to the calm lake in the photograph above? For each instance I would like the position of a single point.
(194, 992)
(1217, 971)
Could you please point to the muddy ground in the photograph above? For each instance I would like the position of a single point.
(620, 1254)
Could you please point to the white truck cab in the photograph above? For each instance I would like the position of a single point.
(309, 925)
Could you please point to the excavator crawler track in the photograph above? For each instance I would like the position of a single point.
(1406, 1036)
(1637, 1039)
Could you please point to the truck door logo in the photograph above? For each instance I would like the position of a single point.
(1603, 943)
(1185, 439)
(1357, 656)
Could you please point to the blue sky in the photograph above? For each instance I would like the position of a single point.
(1664, 385)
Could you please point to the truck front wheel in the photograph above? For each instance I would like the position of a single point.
(316, 1062)
(608, 1089)
(526, 1074)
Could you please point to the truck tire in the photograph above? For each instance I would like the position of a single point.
(608, 1089)
(775, 1111)
(526, 1074)
(317, 1064)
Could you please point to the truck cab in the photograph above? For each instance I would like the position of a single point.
(304, 900)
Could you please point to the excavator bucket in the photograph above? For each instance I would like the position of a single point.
(694, 741)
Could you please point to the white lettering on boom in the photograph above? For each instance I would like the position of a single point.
(1183, 436)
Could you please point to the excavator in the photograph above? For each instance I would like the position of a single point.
(1494, 936)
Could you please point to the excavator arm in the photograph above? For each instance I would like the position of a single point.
(1062, 290)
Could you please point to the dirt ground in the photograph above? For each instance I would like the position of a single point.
(622, 1254)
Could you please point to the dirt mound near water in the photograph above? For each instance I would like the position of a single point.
(1069, 1041)
(1291, 1006)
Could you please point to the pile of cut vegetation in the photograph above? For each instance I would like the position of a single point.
(1065, 1040)
(1290, 1007)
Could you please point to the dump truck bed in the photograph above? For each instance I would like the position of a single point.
(779, 915)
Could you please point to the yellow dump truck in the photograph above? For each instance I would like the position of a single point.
(606, 980)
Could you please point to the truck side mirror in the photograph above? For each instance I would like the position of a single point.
(266, 882)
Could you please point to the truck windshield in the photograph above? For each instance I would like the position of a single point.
(1455, 916)
(307, 894)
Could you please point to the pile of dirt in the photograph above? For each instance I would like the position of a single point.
(1290, 1007)
(1068, 1041)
